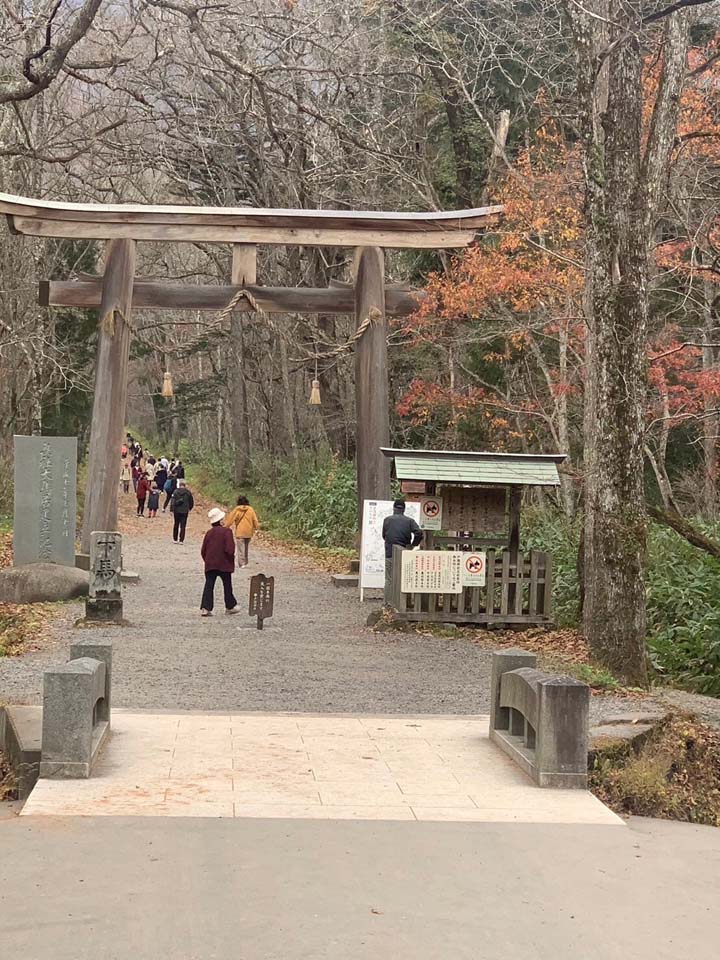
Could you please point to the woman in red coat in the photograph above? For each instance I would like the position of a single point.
(218, 552)
(143, 489)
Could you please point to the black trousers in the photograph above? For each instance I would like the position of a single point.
(208, 597)
(179, 526)
(141, 506)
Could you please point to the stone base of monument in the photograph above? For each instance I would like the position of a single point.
(42, 583)
(104, 609)
(82, 561)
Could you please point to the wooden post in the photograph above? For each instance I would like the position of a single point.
(244, 264)
(372, 403)
(515, 501)
(110, 396)
(514, 545)
(244, 271)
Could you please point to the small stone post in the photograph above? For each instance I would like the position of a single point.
(105, 599)
(561, 748)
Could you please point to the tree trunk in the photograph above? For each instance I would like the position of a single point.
(680, 525)
(563, 425)
(624, 179)
(711, 422)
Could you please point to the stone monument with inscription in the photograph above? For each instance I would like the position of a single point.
(105, 599)
(45, 500)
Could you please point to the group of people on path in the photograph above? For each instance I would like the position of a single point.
(152, 477)
(229, 535)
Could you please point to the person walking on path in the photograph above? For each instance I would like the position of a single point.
(403, 531)
(125, 476)
(243, 520)
(218, 552)
(160, 477)
(153, 501)
(143, 489)
(180, 470)
(181, 503)
(135, 472)
(169, 487)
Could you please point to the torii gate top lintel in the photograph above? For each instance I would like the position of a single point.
(344, 228)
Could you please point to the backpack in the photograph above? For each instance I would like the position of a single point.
(168, 485)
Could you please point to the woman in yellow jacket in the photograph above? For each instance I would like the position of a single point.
(246, 524)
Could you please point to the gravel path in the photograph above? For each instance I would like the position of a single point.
(315, 655)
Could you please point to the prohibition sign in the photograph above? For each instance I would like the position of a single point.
(431, 508)
(474, 564)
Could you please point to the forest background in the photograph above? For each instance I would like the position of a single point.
(390, 105)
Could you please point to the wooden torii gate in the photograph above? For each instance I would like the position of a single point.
(118, 291)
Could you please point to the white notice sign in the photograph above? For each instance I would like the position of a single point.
(431, 513)
(473, 569)
(372, 545)
(431, 571)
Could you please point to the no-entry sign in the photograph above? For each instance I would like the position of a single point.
(473, 569)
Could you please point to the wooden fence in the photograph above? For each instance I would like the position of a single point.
(514, 593)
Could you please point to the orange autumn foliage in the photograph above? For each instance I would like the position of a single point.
(525, 284)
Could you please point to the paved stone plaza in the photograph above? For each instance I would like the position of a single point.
(310, 767)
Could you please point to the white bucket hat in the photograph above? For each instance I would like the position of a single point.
(215, 515)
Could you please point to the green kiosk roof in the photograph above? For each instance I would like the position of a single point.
(464, 467)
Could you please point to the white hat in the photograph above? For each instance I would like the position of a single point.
(215, 515)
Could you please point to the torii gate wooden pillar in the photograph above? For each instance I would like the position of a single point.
(110, 394)
(118, 292)
(372, 403)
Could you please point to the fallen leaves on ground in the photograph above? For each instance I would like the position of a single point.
(6, 550)
(567, 643)
(21, 624)
(674, 773)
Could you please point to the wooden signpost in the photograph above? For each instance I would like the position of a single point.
(262, 598)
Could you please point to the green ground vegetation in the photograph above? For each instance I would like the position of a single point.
(308, 505)
(683, 600)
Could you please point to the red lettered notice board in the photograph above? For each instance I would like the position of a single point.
(431, 571)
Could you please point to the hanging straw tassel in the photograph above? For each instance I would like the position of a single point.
(167, 387)
(315, 400)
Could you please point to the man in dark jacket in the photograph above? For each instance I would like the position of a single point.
(181, 503)
(161, 477)
(218, 552)
(398, 530)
